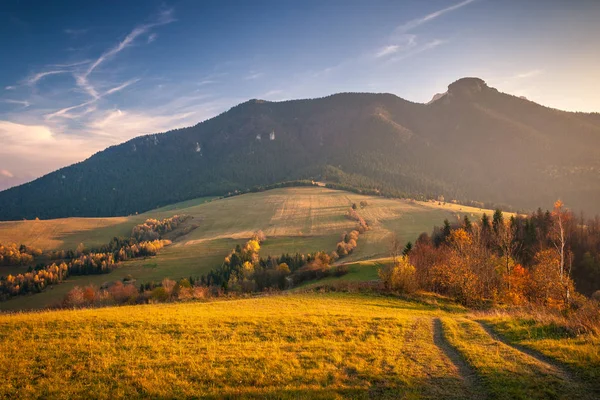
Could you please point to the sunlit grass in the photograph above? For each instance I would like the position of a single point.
(284, 346)
(308, 345)
(581, 353)
(506, 371)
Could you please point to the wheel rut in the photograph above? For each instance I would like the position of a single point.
(547, 362)
(467, 373)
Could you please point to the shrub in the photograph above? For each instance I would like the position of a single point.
(123, 293)
(159, 294)
(74, 298)
(399, 277)
(340, 270)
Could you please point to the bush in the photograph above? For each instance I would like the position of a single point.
(159, 294)
(340, 270)
(399, 277)
(74, 298)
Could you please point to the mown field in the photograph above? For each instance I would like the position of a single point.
(301, 345)
(305, 219)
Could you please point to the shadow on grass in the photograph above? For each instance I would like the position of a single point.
(433, 388)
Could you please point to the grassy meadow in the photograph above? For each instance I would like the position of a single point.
(301, 345)
(304, 219)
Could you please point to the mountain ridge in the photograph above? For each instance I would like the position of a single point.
(367, 140)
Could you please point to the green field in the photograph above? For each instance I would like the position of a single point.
(305, 219)
(286, 346)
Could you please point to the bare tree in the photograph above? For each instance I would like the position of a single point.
(561, 216)
(396, 248)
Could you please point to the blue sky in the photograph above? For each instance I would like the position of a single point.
(76, 77)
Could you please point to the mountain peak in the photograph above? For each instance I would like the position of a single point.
(467, 86)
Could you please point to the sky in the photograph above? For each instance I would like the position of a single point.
(79, 76)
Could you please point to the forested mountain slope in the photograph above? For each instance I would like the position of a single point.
(473, 143)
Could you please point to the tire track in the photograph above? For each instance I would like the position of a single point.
(549, 363)
(467, 373)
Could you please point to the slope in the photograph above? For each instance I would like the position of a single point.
(305, 219)
(474, 143)
(292, 346)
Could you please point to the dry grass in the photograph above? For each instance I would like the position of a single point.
(553, 336)
(507, 371)
(310, 345)
(55, 234)
(280, 347)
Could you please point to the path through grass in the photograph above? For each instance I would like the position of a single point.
(287, 346)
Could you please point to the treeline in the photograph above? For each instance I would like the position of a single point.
(125, 292)
(11, 254)
(245, 271)
(518, 261)
(242, 271)
(153, 229)
(86, 262)
(37, 279)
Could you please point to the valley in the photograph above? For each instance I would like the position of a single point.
(303, 219)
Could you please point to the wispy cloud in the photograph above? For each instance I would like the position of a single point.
(35, 78)
(412, 24)
(419, 49)
(118, 124)
(75, 32)
(70, 65)
(9, 87)
(529, 74)
(254, 75)
(23, 103)
(6, 173)
(120, 87)
(64, 112)
(387, 50)
(206, 82)
(164, 17)
(401, 43)
(152, 37)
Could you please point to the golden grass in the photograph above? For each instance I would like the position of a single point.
(581, 354)
(306, 345)
(51, 234)
(509, 372)
(280, 347)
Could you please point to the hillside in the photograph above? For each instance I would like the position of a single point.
(305, 219)
(325, 346)
(473, 143)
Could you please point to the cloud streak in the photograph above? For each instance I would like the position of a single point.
(75, 32)
(35, 78)
(254, 75)
(120, 87)
(529, 74)
(387, 50)
(6, 173)
(165, 17)
(24, 103)
(70, 65)
(412, 24)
